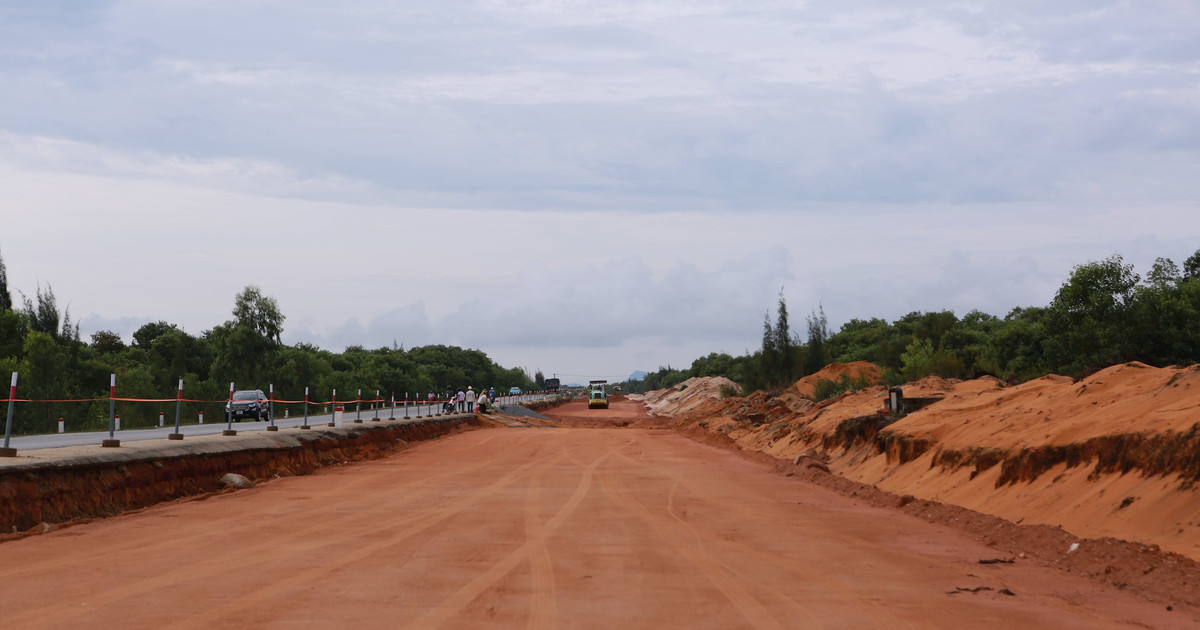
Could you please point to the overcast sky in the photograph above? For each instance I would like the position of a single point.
(588, 188)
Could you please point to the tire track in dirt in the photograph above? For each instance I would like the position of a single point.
(456, 603)
(299, 543)
(237, 526)
(412, 527)
(751, 609)
(542, 604)
(880, 614)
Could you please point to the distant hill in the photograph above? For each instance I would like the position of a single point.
(637, 376)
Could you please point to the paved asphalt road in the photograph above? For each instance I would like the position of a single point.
(36, 442)
(58, 440)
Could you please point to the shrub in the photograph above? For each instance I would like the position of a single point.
(826, 389)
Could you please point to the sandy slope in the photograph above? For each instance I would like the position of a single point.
(1116, 454)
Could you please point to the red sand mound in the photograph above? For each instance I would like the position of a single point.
(856, 370)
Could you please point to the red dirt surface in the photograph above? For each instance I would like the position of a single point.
(542, 527)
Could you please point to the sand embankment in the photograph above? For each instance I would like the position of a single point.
(1114, 455)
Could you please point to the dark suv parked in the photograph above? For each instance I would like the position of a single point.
(249, 403)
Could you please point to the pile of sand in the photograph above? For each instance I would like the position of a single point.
(855, 370)
(687, 395)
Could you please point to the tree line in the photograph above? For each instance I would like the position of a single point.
(1103, 314)
(41, 343)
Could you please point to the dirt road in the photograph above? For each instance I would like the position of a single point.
(539, 528)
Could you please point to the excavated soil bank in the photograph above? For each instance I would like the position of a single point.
(1095, 477)
(81, 483)
(1139, 568)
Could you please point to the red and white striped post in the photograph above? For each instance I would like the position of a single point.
(305, 425)
(229, 414)
(161, 418)
(271, 409)
(114, 421)
(178, 410)
(62, 426)
(5, 451)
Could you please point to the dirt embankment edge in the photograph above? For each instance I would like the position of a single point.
(71, 486)
(1140, 568)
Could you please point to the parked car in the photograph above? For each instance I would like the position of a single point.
(514, 391)
(249, 403)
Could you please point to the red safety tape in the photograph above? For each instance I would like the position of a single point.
(321, 402)
(67, 400)
(148, 399)
(198, 400)
(62, 400)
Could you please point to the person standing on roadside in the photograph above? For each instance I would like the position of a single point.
(461, 399)
(483, 401)
(470, 399)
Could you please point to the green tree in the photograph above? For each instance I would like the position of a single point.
(786, 345)
(43, 377)
(259, 313)
(13, 328)
(1163, 274)
(1089, 321)
(242, 355)
(713, 364)
(917, 359)
(107, 341)
(44, 316)
(964, 347)
(6, 303)
(1018, 343)
(861, 340)
(816, 355)
(145, 335)
(300, 366)
(1191, 267)
(1165, 317)
(172, 356)
(138, 381)
(247, 345)
(768, 359)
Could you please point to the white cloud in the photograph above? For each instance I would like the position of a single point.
(467, 172)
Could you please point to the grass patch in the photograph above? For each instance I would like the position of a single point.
(826, 389)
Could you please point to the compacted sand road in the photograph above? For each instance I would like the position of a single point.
(539, 528)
